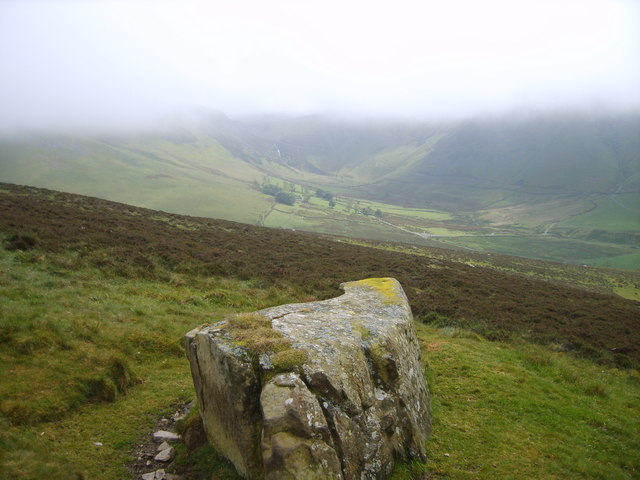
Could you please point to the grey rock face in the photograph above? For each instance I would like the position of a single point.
(357, 404)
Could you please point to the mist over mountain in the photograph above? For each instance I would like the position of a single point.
(96, 64)
(473, 164)
(557, 186)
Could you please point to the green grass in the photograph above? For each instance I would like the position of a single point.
(91, 319)
(62, 325)
(619, 212)
(550, 248)
(415, 213)
(522, 411)
(501, 410)
(197, 178)
(288, 218)
(522, 403)
(66, 326)
(65, 449)
(626, 262)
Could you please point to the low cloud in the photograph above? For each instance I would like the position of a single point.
(78, 63)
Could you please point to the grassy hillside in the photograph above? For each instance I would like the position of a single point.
(178, 173)
(525, 358)
(558, 187)
(525, 160)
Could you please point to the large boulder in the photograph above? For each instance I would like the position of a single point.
(355, 402)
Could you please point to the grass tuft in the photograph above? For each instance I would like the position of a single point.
(596, 390)
(253, 331)
(19, 242)
(289, 359)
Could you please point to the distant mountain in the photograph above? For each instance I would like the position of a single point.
(470, 165)
(518, 160)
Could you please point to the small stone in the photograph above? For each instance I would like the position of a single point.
(447, 455)
(97, 444)
(148, 462)
(177, 416)
(162, 446)
(165, 436)
(166, 455)
(157, 475)
(164, 421)
(187, 408)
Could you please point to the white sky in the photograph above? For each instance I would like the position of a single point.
(121, 62)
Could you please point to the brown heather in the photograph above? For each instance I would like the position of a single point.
(139, 243)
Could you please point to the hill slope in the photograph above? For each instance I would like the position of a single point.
(130, 238)
(525, 160)
(96, 296)
(174, 172)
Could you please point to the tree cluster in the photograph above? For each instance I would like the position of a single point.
(286, 198)
(371, 211)
(320, 193)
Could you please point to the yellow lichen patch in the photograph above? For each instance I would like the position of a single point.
(386, 287)
(364, 331)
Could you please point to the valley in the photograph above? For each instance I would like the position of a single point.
(561, 188)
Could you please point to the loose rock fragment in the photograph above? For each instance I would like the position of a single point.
(162, 446)
(166, 455)
(157, 475)
(165, 436)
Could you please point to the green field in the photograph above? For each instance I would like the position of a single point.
(627, 262)
(619, 212)
(552, 248)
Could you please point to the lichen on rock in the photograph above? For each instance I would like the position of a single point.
(342, 396)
